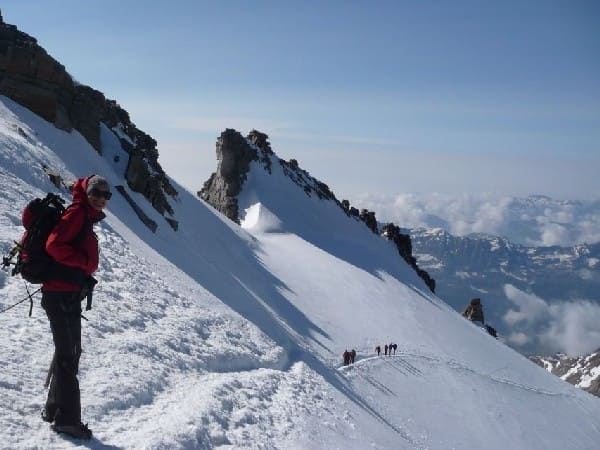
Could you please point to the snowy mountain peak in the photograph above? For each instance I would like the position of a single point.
(248, 185)
(234, 154)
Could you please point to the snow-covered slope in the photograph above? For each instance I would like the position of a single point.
(220, 336)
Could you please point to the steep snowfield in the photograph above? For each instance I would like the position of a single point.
(220, 336)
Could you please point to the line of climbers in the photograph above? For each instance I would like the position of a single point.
(350, 356)
(473, 312)
(387, 349)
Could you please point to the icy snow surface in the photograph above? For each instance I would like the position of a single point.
(220, 336)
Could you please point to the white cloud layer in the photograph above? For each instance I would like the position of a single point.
(571, 327)
(533, 221)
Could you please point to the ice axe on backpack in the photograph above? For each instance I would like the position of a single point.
(8, 259)
(87, 290)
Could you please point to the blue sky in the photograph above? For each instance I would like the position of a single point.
(370, 97)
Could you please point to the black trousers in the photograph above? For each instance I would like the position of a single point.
(64, 313)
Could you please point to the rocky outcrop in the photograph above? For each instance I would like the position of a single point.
(311, 186)
(404, 246)
(368, 217)
(32, 78)
(234, 154)
(151, 224)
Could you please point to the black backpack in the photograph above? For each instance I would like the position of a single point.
(34, 264)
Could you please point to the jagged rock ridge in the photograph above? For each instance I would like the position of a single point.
(404, 245)
(234, 155)
(32, 78)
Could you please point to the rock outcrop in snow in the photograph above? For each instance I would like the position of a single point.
(234, 155)
(404, 245)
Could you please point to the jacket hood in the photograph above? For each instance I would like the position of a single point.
(80, 191)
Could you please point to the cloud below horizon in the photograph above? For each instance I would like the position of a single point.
(571, 327)
(531, 221)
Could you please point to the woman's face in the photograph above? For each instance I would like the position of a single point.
(98, 198)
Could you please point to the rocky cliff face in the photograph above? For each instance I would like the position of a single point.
(404, 245)
(583, 371)
(32, 78)
(234, 155)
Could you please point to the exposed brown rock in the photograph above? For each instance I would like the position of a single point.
(35, 80)
(404, 246)
(234, 154)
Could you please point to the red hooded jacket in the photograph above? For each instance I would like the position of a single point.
(67, 246)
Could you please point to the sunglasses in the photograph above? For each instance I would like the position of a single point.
(98, 193)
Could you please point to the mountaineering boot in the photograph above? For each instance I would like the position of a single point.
(80, 431)
(46, 416)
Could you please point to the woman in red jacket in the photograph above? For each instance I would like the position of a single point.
(74, 244)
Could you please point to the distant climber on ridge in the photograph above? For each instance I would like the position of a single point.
(346, 356)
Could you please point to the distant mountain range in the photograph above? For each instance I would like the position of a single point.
(583, 371)
(480, 265)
